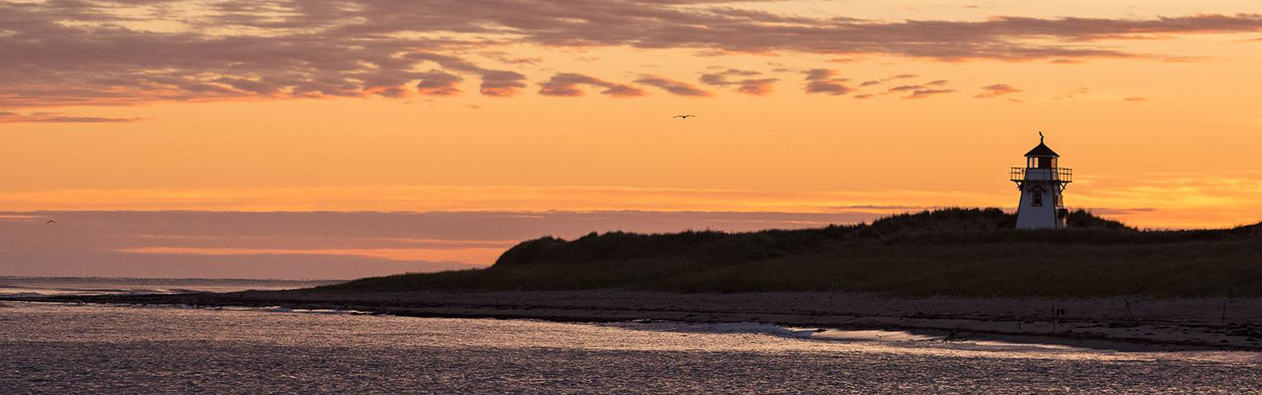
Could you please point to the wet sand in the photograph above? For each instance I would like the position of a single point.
(1148, 324)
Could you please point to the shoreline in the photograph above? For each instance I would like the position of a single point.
(1122, 324)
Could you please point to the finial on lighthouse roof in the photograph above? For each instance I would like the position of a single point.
(1041, 149)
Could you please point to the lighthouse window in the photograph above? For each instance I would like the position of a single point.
(1037, 197)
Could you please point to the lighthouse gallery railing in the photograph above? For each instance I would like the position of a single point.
(1062, 174)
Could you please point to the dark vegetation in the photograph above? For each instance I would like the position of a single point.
(963, 252)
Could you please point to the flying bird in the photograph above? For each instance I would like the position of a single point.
(51, 222)
(684, 116)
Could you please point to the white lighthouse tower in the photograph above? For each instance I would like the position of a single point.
(1042, 183)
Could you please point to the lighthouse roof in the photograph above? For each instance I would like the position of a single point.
(1041, 150)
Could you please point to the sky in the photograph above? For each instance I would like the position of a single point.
(807, 112)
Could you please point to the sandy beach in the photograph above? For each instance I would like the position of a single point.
(1113, 323)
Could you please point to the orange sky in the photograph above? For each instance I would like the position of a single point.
(802, 106)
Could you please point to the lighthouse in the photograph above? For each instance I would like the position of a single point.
(1042, 183)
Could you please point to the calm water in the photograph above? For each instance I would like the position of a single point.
(30, 286)
(58, 348)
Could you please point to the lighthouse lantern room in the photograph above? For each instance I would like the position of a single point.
(1042, 183)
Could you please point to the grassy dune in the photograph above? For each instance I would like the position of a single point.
(961, 252)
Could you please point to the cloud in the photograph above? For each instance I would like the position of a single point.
(820, 74)
(722, 78)
(567, 84)
(887, 79)
(502, 83)
(823, 81)
(672, 86)
(1136, 98)
(925, 93)
(1120, 211)
(1074, 93)
(495, 83)
(438, 83)
(744, 82)
(996, 90)
(49, 117)
(122, 52)
(744, 31)
(757, 87)
(507, 58)
(921, 91)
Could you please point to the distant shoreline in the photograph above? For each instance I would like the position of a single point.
(1150, 324)
(171, 279)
